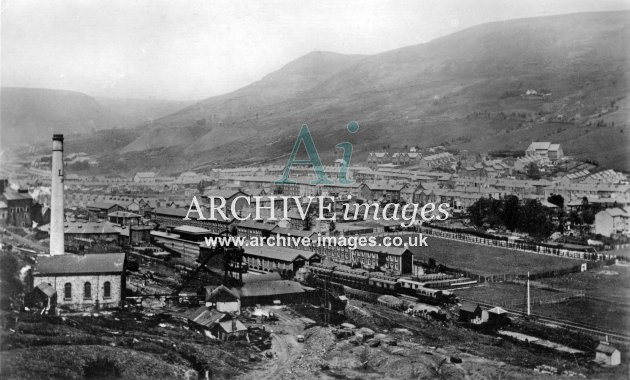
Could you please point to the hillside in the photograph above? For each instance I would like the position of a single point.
(34, 114)
(133, 112)
(243, 108)
(466, 90)
(31, 115)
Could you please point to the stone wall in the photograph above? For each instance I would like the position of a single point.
(77, 301)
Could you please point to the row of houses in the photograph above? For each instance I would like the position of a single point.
(410, 158)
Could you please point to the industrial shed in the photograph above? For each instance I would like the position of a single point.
(469, 312)
(270, 292)
(607, 355)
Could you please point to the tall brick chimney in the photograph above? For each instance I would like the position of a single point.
(56, 197)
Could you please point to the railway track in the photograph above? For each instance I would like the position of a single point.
(622, 337)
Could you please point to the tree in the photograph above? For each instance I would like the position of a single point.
(575, 218)
(485, 210)
(557, 200)
(533, 172)
(535, 219)
(12, 288)
(510, 211)
(588, 215)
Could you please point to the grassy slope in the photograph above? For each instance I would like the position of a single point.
(579, 58)
(49, 347)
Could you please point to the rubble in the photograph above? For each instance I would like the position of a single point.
(366, 332)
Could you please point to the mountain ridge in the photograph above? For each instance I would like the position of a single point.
(465, 90)
(30, 115)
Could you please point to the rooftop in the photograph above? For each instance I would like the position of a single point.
(70, 264)
(270, 288)
(124, 214)
(192, 230)
(279, 253)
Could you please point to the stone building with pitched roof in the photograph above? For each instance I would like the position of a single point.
(83, 282)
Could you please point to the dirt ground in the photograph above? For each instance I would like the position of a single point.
(119, 345)
(425, 350)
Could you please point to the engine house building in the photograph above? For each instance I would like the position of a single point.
(83, 282)
(74, 282)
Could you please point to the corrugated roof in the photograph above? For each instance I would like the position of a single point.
(80, 264)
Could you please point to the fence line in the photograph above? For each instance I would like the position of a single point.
(518, 246)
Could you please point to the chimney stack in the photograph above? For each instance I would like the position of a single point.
(56, 198)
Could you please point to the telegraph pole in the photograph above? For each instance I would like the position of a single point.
(529, 309)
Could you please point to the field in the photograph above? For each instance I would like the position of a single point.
(508, 295)
(609, 283)
(584, 310)
(589, 311)
(488, 261)
(605, 304)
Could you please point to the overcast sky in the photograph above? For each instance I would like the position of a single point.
(195, 49)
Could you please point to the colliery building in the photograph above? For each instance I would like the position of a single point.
(279, 259)
(272, 292)
(184, 240)
(100, 210)
(82, 282)
(81, 233)
(18, 207)
(398, 260)
(174, 217)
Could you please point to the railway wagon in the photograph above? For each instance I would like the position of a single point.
(389, 285)
(380, 283)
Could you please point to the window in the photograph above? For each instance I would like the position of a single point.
(107, 289)
(87, 290)
(67, 291)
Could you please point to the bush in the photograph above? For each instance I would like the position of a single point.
(101, 368)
